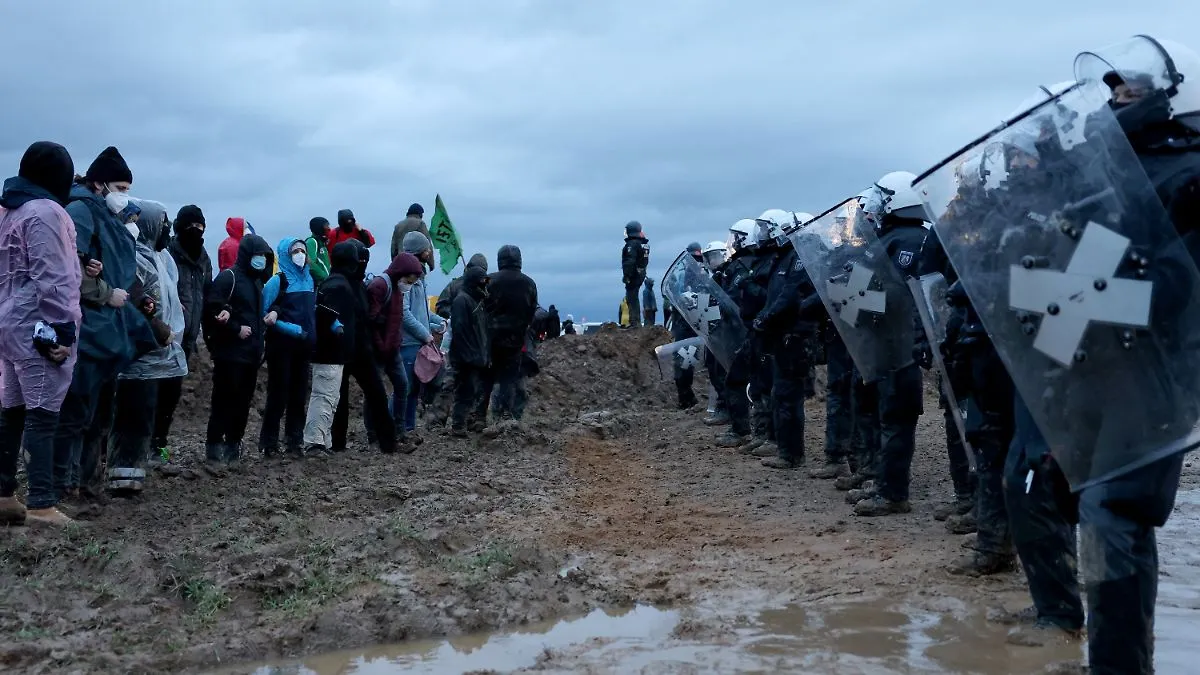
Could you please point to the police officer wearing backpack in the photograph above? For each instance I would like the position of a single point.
(635, 258)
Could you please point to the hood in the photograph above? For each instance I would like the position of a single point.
(236, 227)
(296, 276)
(19, 191)
(318, 226)
(250, 246)
(343, 259)
(346, 219)
(474, 282)
(402, 265)
(46, 169)
(416, 243)
(152, 222)
(478, 260)
(509, 258)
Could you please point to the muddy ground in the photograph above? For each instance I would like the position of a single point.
(605, 496)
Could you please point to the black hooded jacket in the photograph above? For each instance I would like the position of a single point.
(343, 331)
(471, 344)
(238, 290)
(512, 300)
(445, 300)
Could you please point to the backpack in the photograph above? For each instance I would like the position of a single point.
(207, 323)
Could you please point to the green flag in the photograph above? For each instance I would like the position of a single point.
(445, 238)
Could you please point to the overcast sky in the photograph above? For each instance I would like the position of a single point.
(543, 123)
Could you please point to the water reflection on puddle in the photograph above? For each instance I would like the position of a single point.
(920, 635)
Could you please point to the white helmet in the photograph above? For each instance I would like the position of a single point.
(773, 221)
(894, 194)
(714, 254)
(1142, 64)
(742, 235)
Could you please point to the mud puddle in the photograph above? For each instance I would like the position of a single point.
(924, 633)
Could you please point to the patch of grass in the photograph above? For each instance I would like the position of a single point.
(102, 552)
(493, 562)
(399, 526)
(320, 584)
(206, 597)
(29, 632)
(214, 527)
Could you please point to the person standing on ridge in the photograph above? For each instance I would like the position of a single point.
(349, 230)
(635, 258)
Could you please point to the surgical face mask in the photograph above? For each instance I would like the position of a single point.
(133, 230)
(404, 288)
(298, 259)
(258, 262)
(116, 201)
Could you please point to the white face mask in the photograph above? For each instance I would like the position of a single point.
(298, 259)
(258, 262)
(133, 230)
(404, 288)
(117, 201)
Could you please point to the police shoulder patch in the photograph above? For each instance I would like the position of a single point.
(904, 258)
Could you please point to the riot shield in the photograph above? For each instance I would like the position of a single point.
(1082, 283)
(929, 295)
(705, 307)
(687, 354)
(867, 299)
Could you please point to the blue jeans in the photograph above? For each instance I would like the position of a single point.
(395, 374)
(408, 355)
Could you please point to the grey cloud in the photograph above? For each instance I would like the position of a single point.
(542, 123)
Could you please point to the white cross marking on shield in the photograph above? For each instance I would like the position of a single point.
(687, 357)
(1074, 294)
(854, 297)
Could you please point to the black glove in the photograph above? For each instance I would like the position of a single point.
(922, 354)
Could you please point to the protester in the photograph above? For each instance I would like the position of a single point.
(446, 299)
(39, 288)
(568, 327)
(233, 332)
(290, 302)
(138, 386)
(194, 269)
(227, 252)
(342, 308)
(349, 230)
(385, 296)
(649, 303)
(113, 333)
(413, 222)
(553, 323)
(470, 352)
(511, 305)
(317, 248)
(419, 324)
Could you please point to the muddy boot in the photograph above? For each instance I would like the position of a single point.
(717, 419)
(1022, 617)
(295, 450)
(459, 432)
(269, 452)
(317, 451)
(214, 453)
(830, 470)
(731, 440)
(51, 516)
(12, 511)
(1067, 668)
(968, 542)
(751, 444)
(961, 506)
(852, 482)
(767, 449)
(980, 564)
(878, 506)
(125, 481)
(1043, 633)
(860, 493)
(964, 524)
(781, 463)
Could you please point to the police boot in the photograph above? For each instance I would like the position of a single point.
(717, 419)
(877, 505)
(858, 494)
(783, 463)
(1041, 634)
(830, 470)
(964, 524)
(981, 564)
(731, 439)
(752, 443)
(961, 506)
(852, 482)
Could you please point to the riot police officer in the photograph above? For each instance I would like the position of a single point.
(788, 329)
(900, 223)
(734, 278)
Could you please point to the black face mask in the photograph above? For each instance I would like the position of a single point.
(192, 239)
(164, 238)
(1153, 108)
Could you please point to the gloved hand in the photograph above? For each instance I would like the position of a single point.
(338, 327)
(1036, 456)
(923, 354)
(757, 326)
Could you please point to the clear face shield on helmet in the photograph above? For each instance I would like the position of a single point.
(1130, 69)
